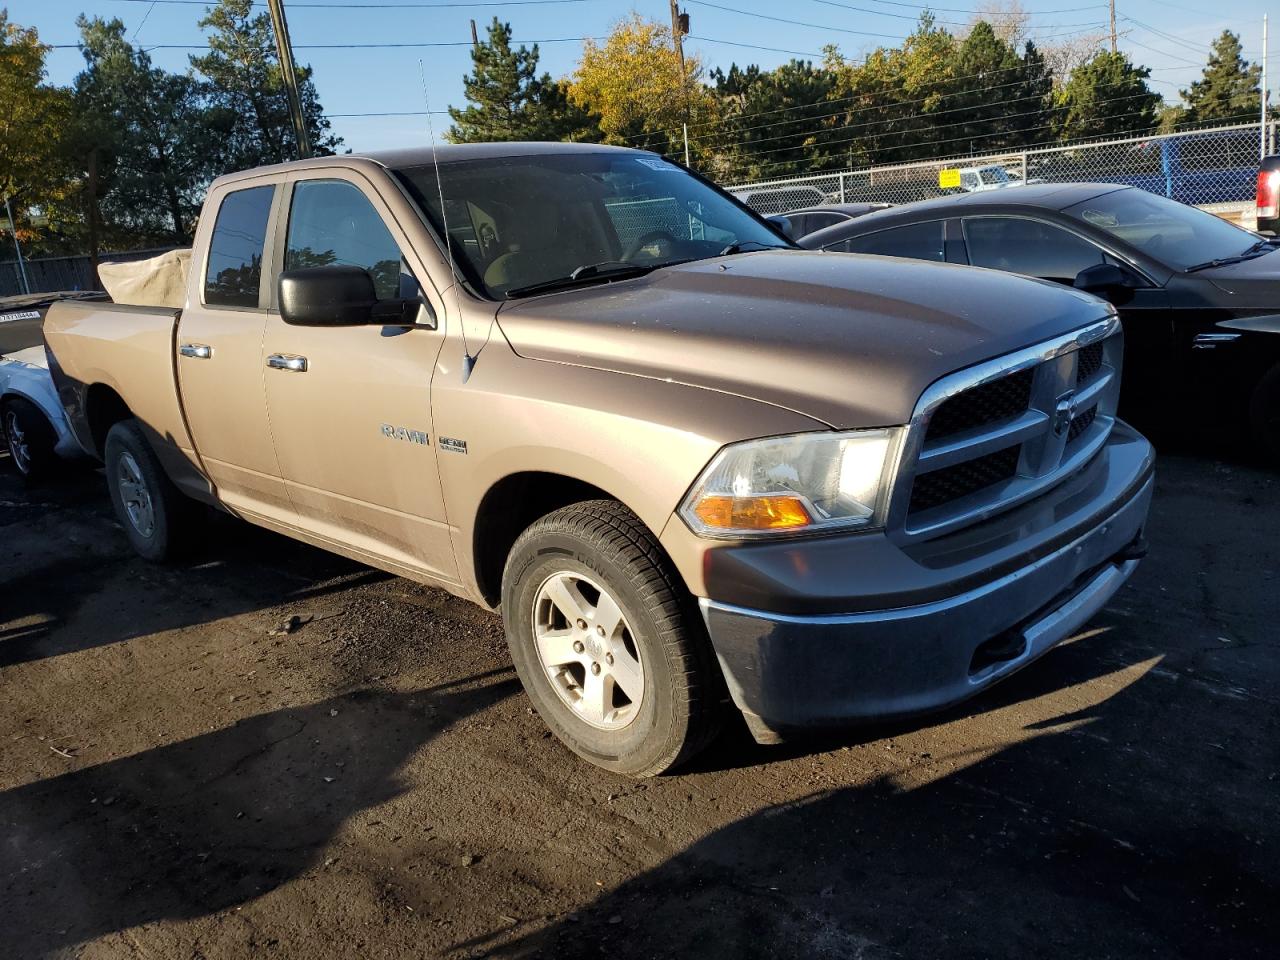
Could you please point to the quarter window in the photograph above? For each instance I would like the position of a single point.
(233, 273)
(332, 222)
(915, 241)
(1029, 247)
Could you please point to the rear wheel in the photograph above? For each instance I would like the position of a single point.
(1264, 415)
(606, 641)
(30, 438)
(156, 517)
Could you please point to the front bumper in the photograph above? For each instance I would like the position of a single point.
(790, 670)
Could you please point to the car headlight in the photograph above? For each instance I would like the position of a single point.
(805, 483)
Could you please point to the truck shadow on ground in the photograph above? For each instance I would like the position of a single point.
(76, 585)
(192, 828)
(1093, 834)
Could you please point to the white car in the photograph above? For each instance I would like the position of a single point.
(995, 177)
(31, 417)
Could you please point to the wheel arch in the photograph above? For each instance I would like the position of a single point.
(103, 409)
(509, 507)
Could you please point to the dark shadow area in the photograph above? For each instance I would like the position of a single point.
(193, 828)
(91, 590)
(1098, 835)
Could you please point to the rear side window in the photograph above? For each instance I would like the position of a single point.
(233, 273)
(1029, 247)
(330, 222)
(915, 241)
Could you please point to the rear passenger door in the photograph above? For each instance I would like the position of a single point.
(915, 241)
(350, 407)
(219, 362)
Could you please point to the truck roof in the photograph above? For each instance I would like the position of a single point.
(445, 153)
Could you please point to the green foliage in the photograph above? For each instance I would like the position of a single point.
(33, 120)
(151, 130)
(1107, 96)
(247, 97)
(772, 120)
(509, 101)
(1228, 90)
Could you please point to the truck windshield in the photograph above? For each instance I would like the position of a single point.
(525, 224)
(1172, 233)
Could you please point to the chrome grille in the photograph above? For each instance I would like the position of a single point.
(991, 437)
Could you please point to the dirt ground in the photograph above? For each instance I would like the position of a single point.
(180, 779)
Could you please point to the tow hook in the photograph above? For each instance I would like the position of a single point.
(1136, 550)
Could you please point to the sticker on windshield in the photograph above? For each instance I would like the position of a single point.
(655, 163)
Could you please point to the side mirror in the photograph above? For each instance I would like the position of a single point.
(343, 296)
(1106, 280)
(784, 226)
(333, 296)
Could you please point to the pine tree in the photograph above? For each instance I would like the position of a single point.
(1228, 88)
(509, 101)
(1106, 96)
(248, 89)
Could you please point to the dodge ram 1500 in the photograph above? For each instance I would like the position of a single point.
(688, 463)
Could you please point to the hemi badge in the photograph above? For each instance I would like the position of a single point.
(456, 446)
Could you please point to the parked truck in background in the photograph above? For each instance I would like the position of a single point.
(688, 462)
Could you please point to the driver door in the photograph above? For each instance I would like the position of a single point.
(350, 407)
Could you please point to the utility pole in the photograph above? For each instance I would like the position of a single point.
(290, 74)
(1262, 126)
(1113, 25)
(22, 270)
(475, 37)
(679, 27)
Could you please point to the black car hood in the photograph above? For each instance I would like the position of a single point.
(1253, 284)
(850, 340)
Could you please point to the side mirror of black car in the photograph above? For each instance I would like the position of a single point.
(784, 226)
(1106, 280)
(344, 296)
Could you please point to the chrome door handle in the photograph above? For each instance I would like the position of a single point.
(197, 351)
(282, 361)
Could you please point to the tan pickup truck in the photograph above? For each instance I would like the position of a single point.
(689, 463)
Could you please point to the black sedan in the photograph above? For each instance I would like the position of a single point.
(799, 223)
(1199, 297)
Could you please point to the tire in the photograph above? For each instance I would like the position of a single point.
(657, 654)
(30, 437)
(1264, 416)
(156, 517)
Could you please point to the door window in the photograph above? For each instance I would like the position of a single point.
(332, 222)
(915, 241)
(1029, 247)
(233, 271)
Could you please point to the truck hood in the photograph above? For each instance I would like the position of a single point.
(849, 340)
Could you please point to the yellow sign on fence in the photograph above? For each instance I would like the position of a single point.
(948, 179)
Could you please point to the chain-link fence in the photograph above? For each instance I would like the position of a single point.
(1202, 167)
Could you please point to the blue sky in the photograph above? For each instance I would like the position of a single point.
(1170, 38)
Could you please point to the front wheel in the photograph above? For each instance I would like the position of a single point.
(156, 517)
(607, 643)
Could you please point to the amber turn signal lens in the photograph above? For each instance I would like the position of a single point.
(753, 513)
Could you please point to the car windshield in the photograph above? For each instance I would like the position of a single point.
(522, 224)
(1165, 230)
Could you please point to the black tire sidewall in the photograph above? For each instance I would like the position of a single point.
(126, 436)
(40, 437)
(637, 746)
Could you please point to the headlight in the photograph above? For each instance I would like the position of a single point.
(806, 483)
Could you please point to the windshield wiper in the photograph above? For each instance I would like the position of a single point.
(1259, 248)
(743, 244)
(587, 273)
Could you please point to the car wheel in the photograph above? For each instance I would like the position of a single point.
(156, 517)
(30, 438)
(1264, 415)
(608, 644)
